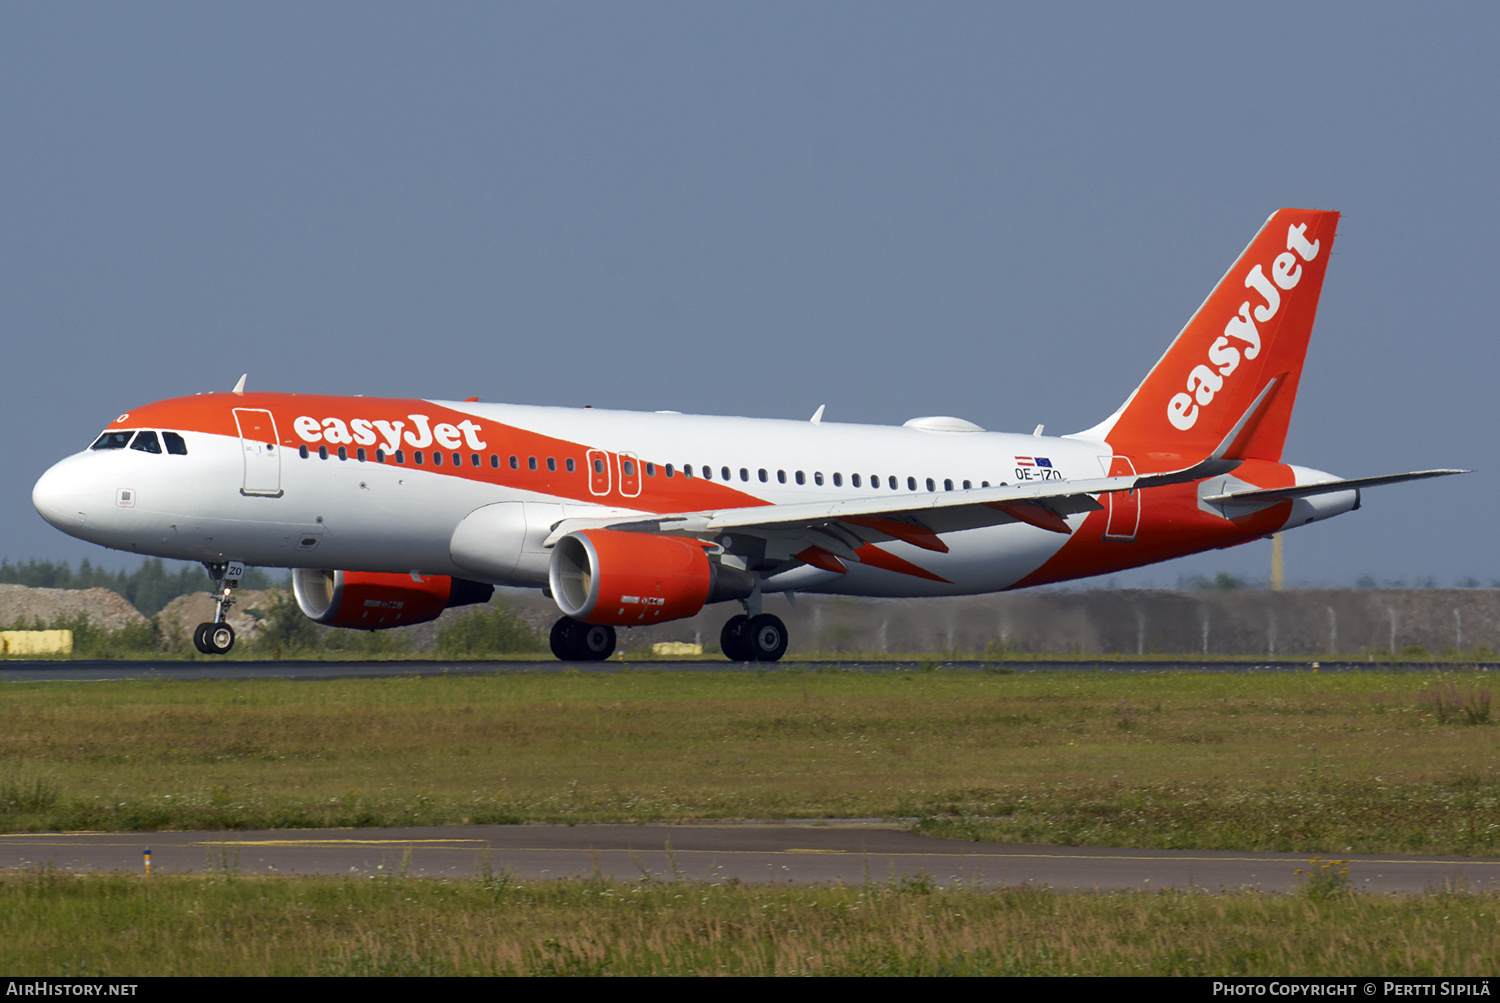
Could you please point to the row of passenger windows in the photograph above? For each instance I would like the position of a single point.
(146, 442)
(438, 459)
(628, 469)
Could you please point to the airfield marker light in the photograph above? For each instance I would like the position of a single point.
(148, 861)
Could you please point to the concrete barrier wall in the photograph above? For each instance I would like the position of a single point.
(1311, 622)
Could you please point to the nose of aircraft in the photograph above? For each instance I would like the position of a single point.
(61, 496)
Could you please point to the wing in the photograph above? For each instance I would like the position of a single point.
(827, 534)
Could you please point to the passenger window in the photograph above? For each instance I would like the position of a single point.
(146, 442)
(892, 481)
(570, 465)
(598, 466)
(967, 485)
(495, 461)
(854, 480)
(531, 463)
(112, 440)
(781, 477)
(650, 469)
(359, 454)
(801, 477)
(629, 467)
(302, 451)
(838, 480)
(400, 456)
(708, 472)
(670, 471)
(764, 476)
(175, 444)
(947, 484)
(744, 474)
(818, 478)
(687, 471)
(343, 453)
(322, 452)
(417, 457)
(380, 456)
(724, 472)
(515, 464)
(552, 464)
(437, 458)
(473, 459)
(931, 486)
(911, 484)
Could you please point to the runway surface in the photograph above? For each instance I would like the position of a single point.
(840, 852)
(59, 671)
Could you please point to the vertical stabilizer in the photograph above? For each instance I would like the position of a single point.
(1253, 328)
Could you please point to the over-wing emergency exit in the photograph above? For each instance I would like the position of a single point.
(389, 511)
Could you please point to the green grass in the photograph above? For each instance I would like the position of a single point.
(1329, 764)
(121, 926)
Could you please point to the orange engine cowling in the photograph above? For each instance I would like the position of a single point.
(610, 576)
(367, 600)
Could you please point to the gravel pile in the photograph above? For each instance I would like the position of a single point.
(22, 606)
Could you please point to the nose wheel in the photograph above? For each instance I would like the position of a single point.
(760, 638)
(217, 637)
(213, 638)
(575, 641)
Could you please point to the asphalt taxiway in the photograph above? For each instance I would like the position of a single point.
(42, 670)
(835, 852)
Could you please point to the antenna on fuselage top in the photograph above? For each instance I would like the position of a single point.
(239, 387)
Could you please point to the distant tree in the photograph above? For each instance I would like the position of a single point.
(283, 628)
(1221, 582)
(494, 630)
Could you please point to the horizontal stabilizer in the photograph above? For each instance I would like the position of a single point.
(1326, 487)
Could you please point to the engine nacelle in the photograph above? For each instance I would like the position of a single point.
(609, 576)
(366, 600)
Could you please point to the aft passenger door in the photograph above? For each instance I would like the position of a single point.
(1124, 506)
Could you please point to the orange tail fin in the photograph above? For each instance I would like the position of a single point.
(1252, 328)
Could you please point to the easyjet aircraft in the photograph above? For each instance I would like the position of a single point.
(627, 518)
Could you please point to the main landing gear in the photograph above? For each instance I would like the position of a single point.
(576, 641)
(217, 637)
(760, 638)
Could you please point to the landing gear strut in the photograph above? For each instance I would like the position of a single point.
(576, 641)
(217, 637)
(760, 638)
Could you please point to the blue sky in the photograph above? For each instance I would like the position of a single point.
(998, 211)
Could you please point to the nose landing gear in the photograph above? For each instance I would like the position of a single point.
(217, 637)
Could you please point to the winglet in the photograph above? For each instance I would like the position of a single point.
(817, 418)
(239, 387)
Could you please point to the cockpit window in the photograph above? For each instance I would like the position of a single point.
(112, 440)
(146, 442)
(174, 442)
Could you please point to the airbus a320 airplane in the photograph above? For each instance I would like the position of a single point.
(627, 518)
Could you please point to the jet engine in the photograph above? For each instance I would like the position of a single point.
(609, 576)
(367, 600)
